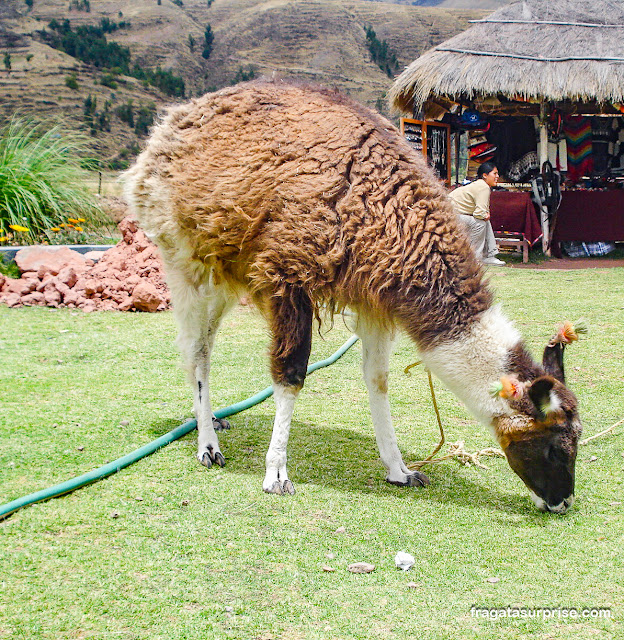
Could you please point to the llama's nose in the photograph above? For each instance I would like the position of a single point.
(563, 506)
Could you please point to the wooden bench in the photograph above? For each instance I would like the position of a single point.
(515, 241)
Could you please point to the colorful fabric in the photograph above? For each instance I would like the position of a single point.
(523, 168)
(578, 132)
(587, 249)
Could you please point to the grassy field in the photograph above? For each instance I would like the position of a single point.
(196, 553)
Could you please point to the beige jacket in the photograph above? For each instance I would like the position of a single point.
(472, 200)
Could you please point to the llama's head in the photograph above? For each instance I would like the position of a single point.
(540, 438)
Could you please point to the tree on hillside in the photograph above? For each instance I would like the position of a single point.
(7, 61)
(381, 53)
(191, 42)
(208, 39)
(80, 5)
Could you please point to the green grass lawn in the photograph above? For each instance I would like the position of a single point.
(198, 553)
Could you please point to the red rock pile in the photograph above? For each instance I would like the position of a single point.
(128, 277)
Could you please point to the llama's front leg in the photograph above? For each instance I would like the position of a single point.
(276, 478)
(291, 320)
(198, 311)
(376, 347)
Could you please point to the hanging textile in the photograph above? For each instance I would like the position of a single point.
(616, 147)
(602, 136)
(557, 148)
(578, 132)
(514, 138)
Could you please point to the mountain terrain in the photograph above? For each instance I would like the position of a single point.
(327, 42)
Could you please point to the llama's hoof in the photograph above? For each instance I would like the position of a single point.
(413, 479)
(210, 457)
(220, 424)
(275, 488)
(219, 459)
(206, 460)
(288, 487)
(281, 488)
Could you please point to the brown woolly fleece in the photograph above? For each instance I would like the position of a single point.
(298, 193)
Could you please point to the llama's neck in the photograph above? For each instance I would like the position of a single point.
(470, 363)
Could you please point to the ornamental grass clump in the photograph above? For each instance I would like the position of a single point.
(42, 171)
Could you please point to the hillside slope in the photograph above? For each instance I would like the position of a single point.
(322, 41)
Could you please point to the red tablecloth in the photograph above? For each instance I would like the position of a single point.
(590, 216)
(514, 211)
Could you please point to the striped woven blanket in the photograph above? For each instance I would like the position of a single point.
(578, 132)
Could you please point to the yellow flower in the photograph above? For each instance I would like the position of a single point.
(73, 220)
(81, 220)
(3, 238)
(55, 229)
(78, 228)
(18, 227)
(62, 225)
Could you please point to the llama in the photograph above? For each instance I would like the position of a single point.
(307, 201)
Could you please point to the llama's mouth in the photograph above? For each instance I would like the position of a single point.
(560, 508)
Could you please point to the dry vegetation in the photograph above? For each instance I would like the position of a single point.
(321, 41)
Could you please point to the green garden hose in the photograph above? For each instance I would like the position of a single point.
(175, 434)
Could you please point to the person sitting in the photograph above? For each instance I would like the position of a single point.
(471, 203)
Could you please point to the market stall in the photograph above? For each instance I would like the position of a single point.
(537, 87)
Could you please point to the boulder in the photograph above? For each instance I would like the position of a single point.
(94, 255)
(145, 297)
(48, 259)
(68, 276)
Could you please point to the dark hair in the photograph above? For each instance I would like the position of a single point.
(486, 167)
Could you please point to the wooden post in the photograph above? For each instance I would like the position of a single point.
(543, 156)
(457, 144)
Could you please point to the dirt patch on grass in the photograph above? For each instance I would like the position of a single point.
(565, 264)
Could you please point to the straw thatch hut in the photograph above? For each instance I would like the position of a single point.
(564, 51)
(531, 59)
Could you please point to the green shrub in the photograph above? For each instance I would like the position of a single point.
(109, 80)
(125, 113)
(9, 268)
(72, 81)
(41, 178)
(244, 75)
(144, 119)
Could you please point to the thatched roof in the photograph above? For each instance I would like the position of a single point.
(555, 50)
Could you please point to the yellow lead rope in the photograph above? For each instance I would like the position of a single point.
(457, 449)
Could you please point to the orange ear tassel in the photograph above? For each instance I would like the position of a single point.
(568, 332)
(507, 388)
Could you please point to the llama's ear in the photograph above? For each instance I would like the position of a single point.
(552, 360)
(542, 395)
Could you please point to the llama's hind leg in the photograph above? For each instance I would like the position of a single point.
(376, 347)
(291, 320)
(198, 311)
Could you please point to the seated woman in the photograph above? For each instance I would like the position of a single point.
(471, 203)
